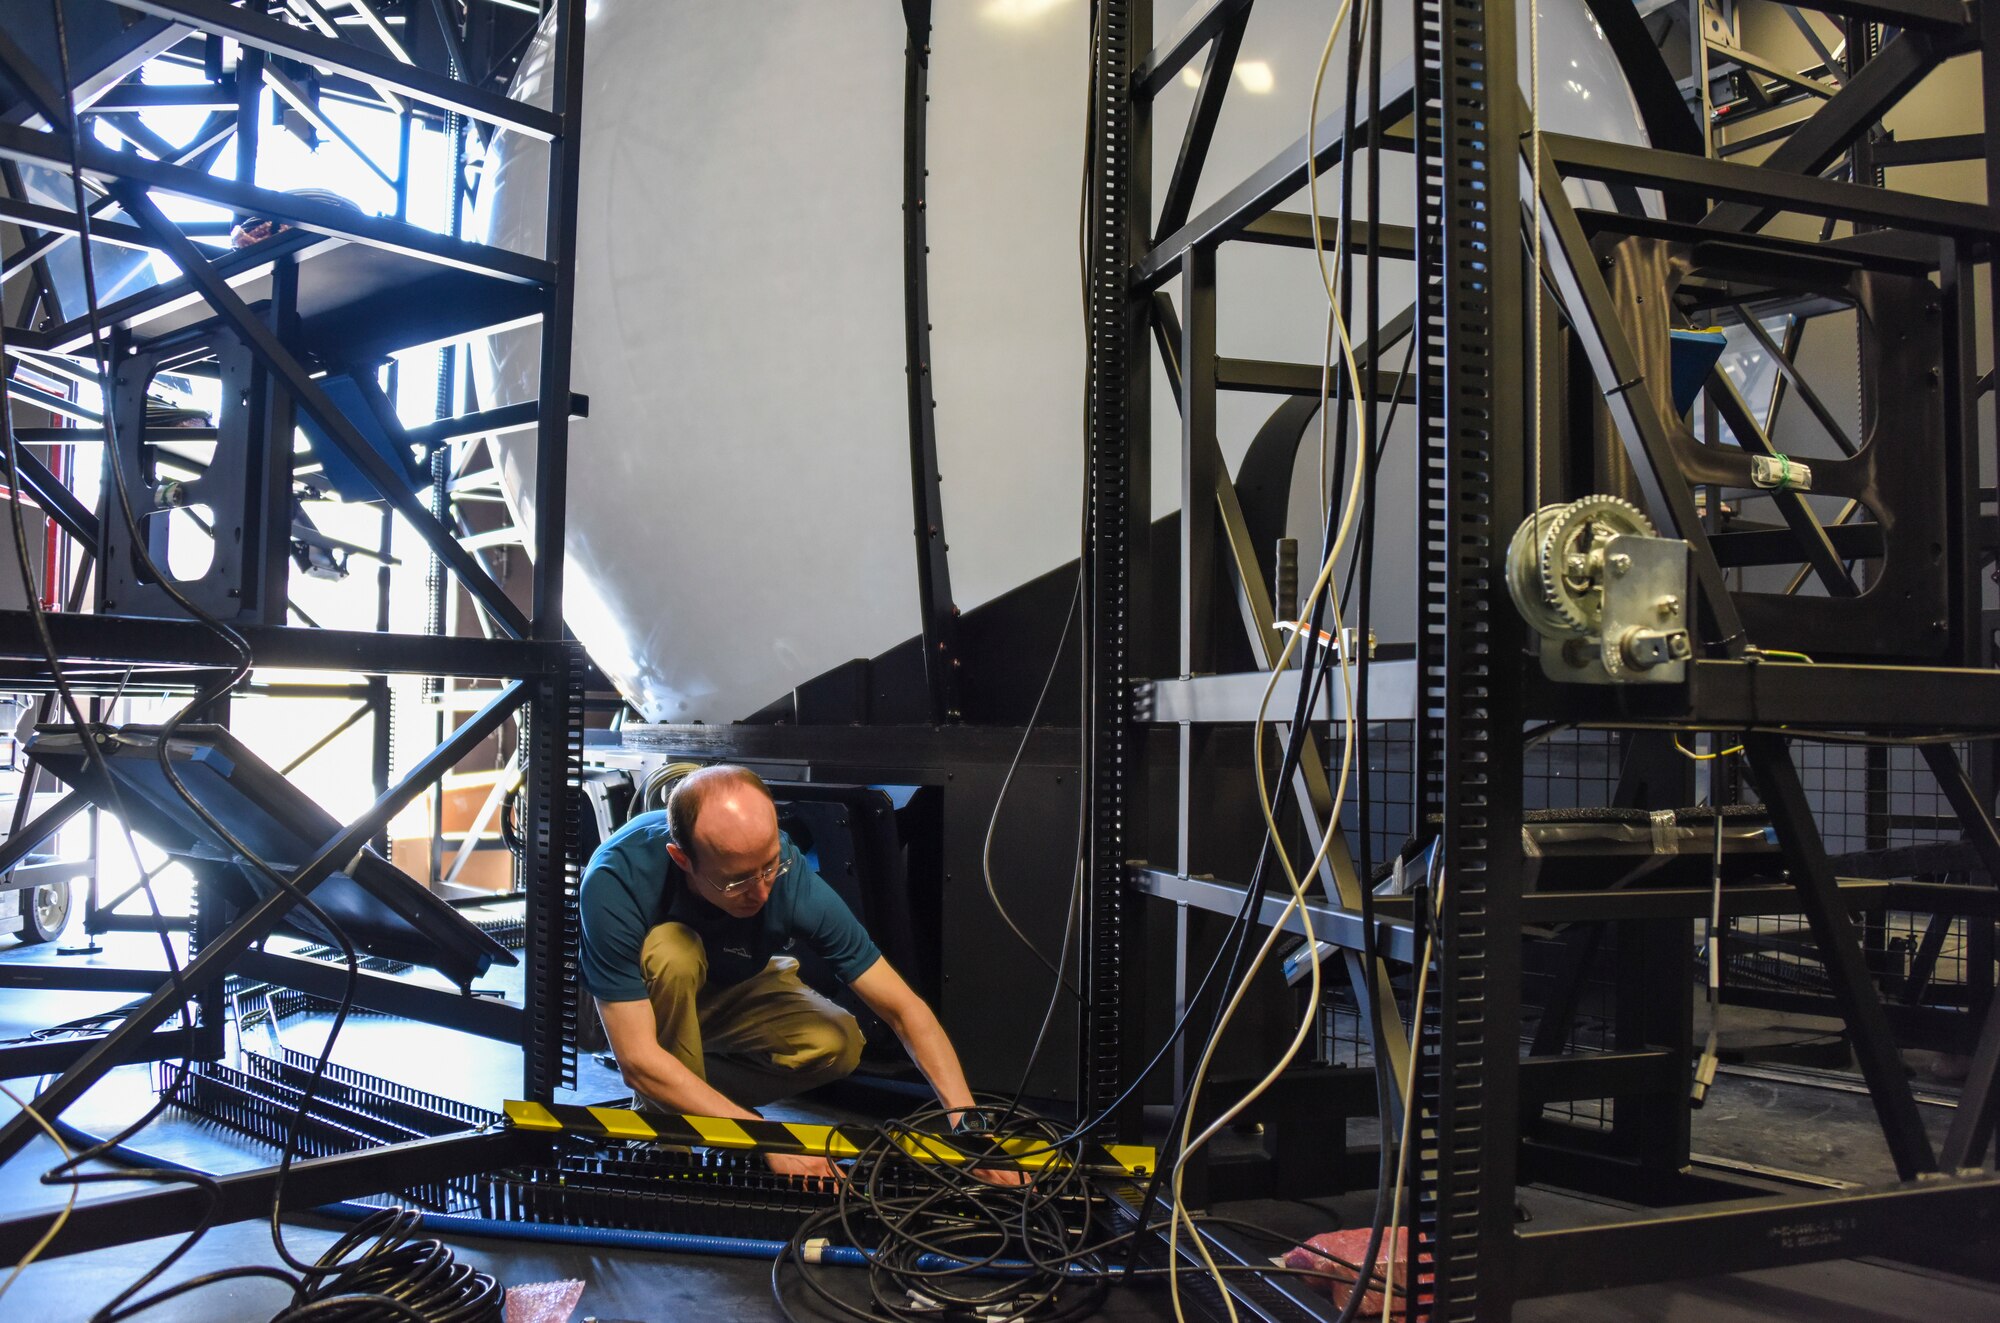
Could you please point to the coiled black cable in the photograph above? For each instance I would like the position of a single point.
(946, 1242)
(399, 1277)
(943, 1243)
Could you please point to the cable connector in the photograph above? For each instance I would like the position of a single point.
(1780, 473)
(1704, 1076)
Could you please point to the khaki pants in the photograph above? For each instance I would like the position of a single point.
(760, 1040)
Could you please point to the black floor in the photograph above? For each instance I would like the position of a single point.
(1826, 1131)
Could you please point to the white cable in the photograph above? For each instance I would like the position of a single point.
(1534, 291)
(1350, 508)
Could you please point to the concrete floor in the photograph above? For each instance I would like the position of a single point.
(1830, 1132)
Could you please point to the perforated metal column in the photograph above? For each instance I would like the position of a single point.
(1472, 444)
(1118, 515)
(552, 740)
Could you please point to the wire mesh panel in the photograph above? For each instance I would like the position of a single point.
(1390, 777)
(1883, 815)
(1571, 769)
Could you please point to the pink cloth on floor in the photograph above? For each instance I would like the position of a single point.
(543, 1302)
(1329, 1249)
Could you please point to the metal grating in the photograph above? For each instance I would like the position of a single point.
(350, 1111)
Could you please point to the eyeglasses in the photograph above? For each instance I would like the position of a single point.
(772, 873)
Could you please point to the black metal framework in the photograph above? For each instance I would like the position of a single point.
(1895, 625)
(255, 309)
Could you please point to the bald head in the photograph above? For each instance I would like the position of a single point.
(723, 814)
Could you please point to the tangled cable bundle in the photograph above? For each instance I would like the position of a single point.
(945, 1242)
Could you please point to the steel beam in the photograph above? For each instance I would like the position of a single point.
(252, 925)
(115, 640)
(485, 1017)
(20, 844)
(1819, 141)
(256, 30)
(1197, 28)
(1644, 167)
(46, 1057)
(1282, 176)
(56, 499)
(1395, 938)
(1840, 949)
(397, 488)
(1744, 1235)
(1730, 695)
(103, 165)
(98, 1223)
(1237, 697)
(1293, 229)
(1201, 123)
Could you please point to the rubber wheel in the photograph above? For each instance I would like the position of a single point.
(44, 913)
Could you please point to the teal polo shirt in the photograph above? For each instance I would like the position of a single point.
(632, 885)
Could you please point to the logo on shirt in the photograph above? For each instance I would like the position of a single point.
(738, 951)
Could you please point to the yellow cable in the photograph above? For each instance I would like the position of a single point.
(1179, 1215)
(1388, 1252)
(1706, 757)
(55, 1227)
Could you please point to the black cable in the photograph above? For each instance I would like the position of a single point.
(205, 697)
(1375, 440)
(938, 1233)
(32, 593)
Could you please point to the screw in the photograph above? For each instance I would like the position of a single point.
(1669, 606)
(1620, 563)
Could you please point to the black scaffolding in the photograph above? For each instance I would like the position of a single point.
(1913, 663)
(309, 310)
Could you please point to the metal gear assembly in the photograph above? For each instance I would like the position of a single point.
(1556, 563)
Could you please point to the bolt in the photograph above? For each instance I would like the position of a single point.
(1669, 606)
(1620, 563)
(1577, 564)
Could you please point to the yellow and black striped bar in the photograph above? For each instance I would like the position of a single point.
(796, 1137)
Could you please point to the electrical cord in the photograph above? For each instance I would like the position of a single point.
(308, 1275)
(67, 696)
(993, 819)
(1349, 510)
(62, 1215)
(942, 1243)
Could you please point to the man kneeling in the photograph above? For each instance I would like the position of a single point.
(689, 919)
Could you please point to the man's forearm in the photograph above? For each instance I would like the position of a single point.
(928, 1045)
(673, 1086)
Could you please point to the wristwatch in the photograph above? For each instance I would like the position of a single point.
(973, 1121)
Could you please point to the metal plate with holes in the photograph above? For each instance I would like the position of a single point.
(1643, 625)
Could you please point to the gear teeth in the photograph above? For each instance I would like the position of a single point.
(1563, 611)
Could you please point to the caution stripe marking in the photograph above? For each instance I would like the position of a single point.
(814, 1140)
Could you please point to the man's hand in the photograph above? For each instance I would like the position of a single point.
(1001, 1176)
(799, 1164)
